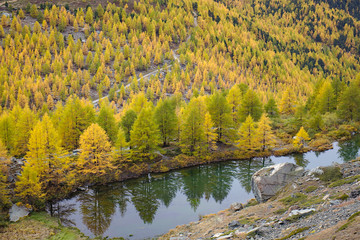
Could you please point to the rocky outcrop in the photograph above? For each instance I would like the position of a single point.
(266, 182)
(16, 212)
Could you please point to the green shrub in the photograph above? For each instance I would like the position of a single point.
(343, 197)
(293, 199)
(311, 189)
(331, 174)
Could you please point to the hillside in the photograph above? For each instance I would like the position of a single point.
(93, 92)
(333, 212)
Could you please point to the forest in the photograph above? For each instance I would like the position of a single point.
(102, 93)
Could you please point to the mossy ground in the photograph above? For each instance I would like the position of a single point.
(39, 225)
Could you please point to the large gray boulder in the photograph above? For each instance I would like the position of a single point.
(266, 182)
(16, 212)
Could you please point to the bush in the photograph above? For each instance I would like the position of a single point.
(310, 189)
(330, 174)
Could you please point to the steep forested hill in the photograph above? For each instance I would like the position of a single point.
(140, 80)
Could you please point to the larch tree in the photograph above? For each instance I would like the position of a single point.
(250, 105)
(220, 112)
(192, 135)
(349, 104)
(325, 100)
(266, 136)
(210, 133)
(121, 144)
(4, 161)
(248, 135)
(127, 122)
(166, 119)
(287, 103)
(77, 115)
(24, 125)
(234, 100)
(46, 157)
(95, 160)
(144, 136)
(300, 138)
(28, 186)
(271, 108)
(7, 130)
(106, 121)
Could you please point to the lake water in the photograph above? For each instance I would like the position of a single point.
(149, 206)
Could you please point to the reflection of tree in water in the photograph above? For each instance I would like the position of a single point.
(97, 208)
(209, 180)
(62, 212)
(246, 168)
(300, 160)
(144, 200)
(220, 179)
(121, 196)
(165, 188)
(193, 185)
(348, 150)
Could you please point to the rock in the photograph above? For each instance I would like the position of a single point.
(234, 224)
(335, 202)
(252, 231)
(236, 206)
(217, 235)
(225, 236)
(315, 171)
(266, 182)
(355, 193)
(301, 212)
(17, 212)
(241, 233)
(326, 197)
(179, 238)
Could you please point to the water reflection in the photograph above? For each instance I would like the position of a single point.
(153, 204)
(348, 150)
(97, 208)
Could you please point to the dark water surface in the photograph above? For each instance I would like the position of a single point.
(152, 205)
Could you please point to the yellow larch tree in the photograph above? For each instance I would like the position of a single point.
(95, 160)
(266, 136)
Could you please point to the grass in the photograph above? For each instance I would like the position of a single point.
(296, 231)
(350, 220)
(331, 174)
(343, 197)
(40, 225)
(311, 189)
(280, 211)
(345, 181)
(294, 199)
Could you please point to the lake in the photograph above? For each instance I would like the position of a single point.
(152, 205)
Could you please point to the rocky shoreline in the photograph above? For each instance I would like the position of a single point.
(311, 207)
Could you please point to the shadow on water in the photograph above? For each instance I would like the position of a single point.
(152, 205)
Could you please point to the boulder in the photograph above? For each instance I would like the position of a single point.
(266, 182)
(236, 206)
(16, 212)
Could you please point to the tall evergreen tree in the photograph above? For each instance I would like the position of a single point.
(265, 133)
(192, 135)
(166, 119)
(95, 160)
(248, 135)
(250, 105)
(145, 136)
(127, 122)
(77, 115)
(349, 105)
(234, 100)
(220, 112)
(106, 121)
